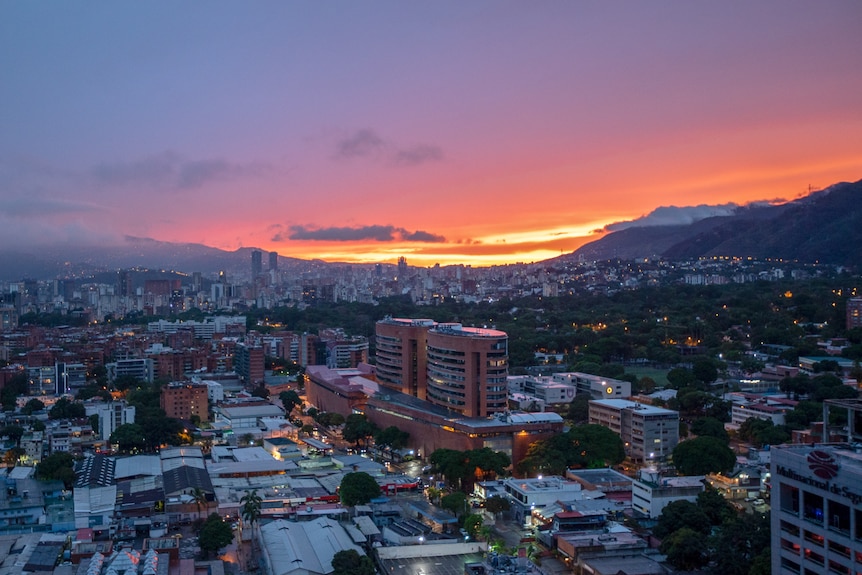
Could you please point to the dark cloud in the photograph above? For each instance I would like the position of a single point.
(375, 233)
(673, 215)
(421, 236)
(367, 143)
(363, 143)
(417, 155)
(196, 174)
(169, 170)
(40, 207)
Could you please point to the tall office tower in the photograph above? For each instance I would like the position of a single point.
(816, 511)
(256, 263)
(273, 261)
(125, 283)
(401, 356)
(467, 369)
(854, 312)
(402, 269)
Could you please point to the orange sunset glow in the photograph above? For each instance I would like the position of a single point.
(449, 133)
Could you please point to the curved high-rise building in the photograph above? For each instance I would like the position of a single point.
(467, 369)
(400, 354)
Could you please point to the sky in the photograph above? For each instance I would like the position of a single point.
(474, 132)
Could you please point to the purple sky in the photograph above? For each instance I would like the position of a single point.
(474, 132)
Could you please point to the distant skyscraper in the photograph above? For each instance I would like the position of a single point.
(125, 283)
(256, 263)
(273, 261)
(402, 269)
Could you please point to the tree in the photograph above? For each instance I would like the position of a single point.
(738, 543)
(703, 455)
(705, 370)
(250, 510)
(680, 377)
(472, 524)
(289, 400)
(13, 432)
(358, 488)
(455, 502)
(214, 534)
(685, 549)
(462, 468)
(357, 428)
(32, 406)
(13, 389)
(584, 446)
(66, 409)
(129, 438)
(709, 426)
(250, 505)
(260, 391)
(679, 514)
(58, 466)
(716, 507)
(497, 504)
(391, 437)
(350, 562)
(199, 497)
(761, 432)
(579, 408)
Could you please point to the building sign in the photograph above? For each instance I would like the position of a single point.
(822, 464)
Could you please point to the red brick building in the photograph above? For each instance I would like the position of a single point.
(182, 400)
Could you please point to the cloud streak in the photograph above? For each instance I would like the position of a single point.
(675, 216)
(367, 143)
(169, 170)
(376, 233)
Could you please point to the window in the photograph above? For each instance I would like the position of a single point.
(814, 538)
(789, 497)
(839, 517)
(791, 528)
(814, 556)
(812, 507)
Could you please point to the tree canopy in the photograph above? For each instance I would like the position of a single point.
(357, 428)
(703, 455)
(215, 533)
(391, 437)
(463, 468)
(350, 562)
(358, 488)
(58, 466)
(584, 446)
(129, 438)
(66, 409)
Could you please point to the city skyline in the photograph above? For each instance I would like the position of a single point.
(476, 133)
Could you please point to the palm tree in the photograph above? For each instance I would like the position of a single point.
(199, 497)
(250, 511)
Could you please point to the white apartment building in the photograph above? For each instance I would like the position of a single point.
(649, 433)
(651, 492)
(111, 416)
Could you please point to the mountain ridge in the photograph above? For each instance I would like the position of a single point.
(824, 226)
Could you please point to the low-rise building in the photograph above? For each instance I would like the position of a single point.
(651, 492)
